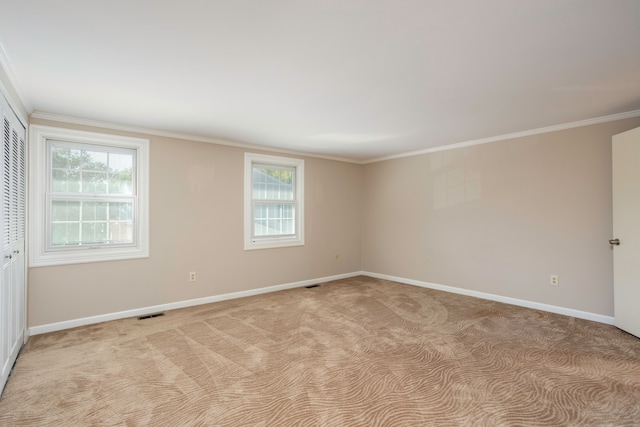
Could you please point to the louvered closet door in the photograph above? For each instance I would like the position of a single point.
(12, 279)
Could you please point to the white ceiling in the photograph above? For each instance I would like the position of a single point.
(356, 79)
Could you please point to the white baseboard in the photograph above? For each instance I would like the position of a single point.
(513, 301)
(74, 323)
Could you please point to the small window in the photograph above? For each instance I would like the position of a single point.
(274, 204)
(89, 198)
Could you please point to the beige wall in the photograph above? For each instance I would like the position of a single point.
(196, 224)
(500, 218)
(497, 218)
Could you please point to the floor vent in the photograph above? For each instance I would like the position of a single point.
(150, 316)
(311, 286)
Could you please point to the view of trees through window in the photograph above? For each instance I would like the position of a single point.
(282, 175)
(91, 196)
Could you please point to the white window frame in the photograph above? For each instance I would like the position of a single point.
(251, 242)
(39, 255)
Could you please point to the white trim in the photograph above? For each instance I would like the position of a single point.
(177, 135)
(555, 128)
(217, 141)
(252, 243)
(492, 297)
(38, 255)
(74, 323)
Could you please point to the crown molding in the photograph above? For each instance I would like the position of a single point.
(538, 131)
(218, 141)
(167, 134)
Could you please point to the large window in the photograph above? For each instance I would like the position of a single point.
(274, 201)
(89, 198)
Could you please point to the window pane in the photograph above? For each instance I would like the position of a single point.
(273, 211)
(94, 233)
(121, 231)
(59, 180)
(121, 222)
(92, 211)
(260, 228)
(273, 182)
(120, 183)
(120, 173)
(94, 182)
(60, 157)
(94, 172)
(65, 158)
(73, 181)
(121, 211)
(64, 162)
(65, 234)
(119, 163)
(91, 223)
(96, 160)
(288, 226)
(273, 219)
(65, 211)
(91, 171)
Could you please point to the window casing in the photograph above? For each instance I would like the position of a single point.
(89, 198)
(274, 201)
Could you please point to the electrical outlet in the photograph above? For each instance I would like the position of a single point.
(554, 280)
(192, 276)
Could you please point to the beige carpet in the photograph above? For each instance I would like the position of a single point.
(355, 352)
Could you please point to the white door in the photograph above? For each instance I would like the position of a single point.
(12, 240)
(626, 230)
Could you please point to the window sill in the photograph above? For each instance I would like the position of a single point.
(87, 255)
(273, 243)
